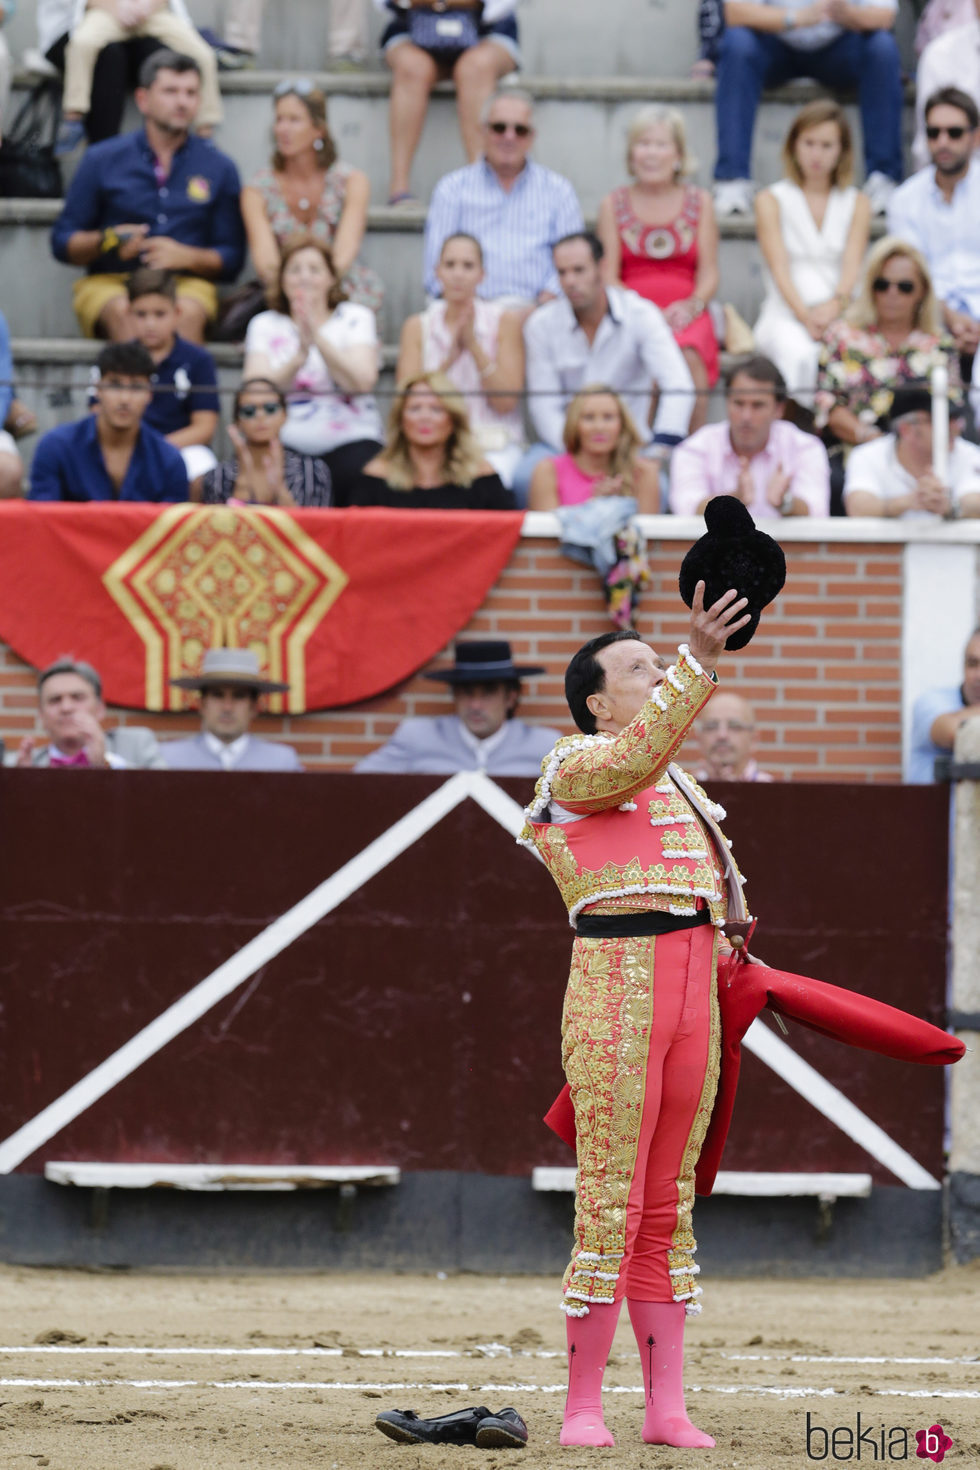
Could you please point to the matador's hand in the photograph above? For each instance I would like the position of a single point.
(712, 627)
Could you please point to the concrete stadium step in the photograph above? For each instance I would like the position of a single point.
(393, 246)
(636, 37)
(582, 125)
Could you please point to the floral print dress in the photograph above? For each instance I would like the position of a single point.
(860, 370)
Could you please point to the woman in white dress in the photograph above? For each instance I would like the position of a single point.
(812, 228)
(479, 347)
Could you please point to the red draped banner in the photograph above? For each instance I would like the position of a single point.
(340, 604)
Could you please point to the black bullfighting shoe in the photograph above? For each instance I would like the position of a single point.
(504, 1430)
(405, 1426)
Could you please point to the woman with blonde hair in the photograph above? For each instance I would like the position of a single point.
(601, 457)
(889, 337)
(661, 240)
(812, 228)
(307, 189)
(432, 459)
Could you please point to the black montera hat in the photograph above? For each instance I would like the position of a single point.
(733, 554)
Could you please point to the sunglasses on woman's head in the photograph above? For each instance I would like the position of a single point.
(520, 130)
(251, 410)
(301, 87)
(880, 285)
(955, 133)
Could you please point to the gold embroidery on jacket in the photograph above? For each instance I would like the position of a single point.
(606, 1025)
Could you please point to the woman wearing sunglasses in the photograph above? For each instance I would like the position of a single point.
(322, 352)
(472, 43)
(889, 337)
(263, 472)
(307, 189)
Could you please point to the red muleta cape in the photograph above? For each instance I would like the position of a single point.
(745, 989)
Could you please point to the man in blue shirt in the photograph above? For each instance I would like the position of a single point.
(111, 454)
(938, 714)
(159, 197)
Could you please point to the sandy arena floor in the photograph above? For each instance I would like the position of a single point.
(130, 1372)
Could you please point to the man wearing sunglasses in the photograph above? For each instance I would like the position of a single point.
(515, 207)
(938, 210)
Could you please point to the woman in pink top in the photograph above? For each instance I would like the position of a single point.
(601, 443)
(660, 239)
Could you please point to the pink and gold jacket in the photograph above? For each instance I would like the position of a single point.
(651, 838)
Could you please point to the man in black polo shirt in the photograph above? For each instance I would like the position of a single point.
(158, 197)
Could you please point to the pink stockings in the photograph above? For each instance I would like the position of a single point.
(659, 1329)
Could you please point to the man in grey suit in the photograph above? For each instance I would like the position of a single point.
(69, 696)
(483, 734)
(230, 684)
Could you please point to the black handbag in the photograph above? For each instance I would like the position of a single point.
(28, 167)
(443, 32)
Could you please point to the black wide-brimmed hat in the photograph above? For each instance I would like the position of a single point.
(484, 662)
(733, 553)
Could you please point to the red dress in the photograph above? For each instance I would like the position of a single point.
(660, 262)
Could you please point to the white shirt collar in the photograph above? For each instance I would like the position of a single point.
(483, 749)
(228, 752)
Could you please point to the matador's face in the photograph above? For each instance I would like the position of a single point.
(633, 671)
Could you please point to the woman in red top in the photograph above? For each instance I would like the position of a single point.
(661, 240)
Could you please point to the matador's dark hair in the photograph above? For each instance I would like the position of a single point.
(585, 675)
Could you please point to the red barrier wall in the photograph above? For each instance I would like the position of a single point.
(417, 1024)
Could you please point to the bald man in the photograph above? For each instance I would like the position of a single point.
(726, 736)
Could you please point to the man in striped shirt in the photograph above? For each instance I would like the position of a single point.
(516, 208)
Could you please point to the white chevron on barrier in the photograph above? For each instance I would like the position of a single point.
(327, 896)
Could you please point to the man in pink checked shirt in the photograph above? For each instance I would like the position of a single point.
(774, 468)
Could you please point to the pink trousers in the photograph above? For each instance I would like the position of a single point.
(641, 1048)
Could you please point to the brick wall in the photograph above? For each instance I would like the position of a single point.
(824, 671)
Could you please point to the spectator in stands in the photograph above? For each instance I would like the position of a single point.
(938, 714)
(432, 460)
(106, 23)
(6, 10)
(11, 469)
(890, 336)
(726, 736)
(515, 207)
(773, 467)
(950, 58)
(110, 454)
(596, 333)
(230, 685)
(347, 32)
(893, 475)
(660, 239)
(474, 45)
(484, 734)
(159, 197)
(263, 472)
(116, 69)
(323, 352)
(841, 44)
(937, 210)
(185, 406)
(70, 708)
(601, 444)
(307, 190)
(478, 346)
(812, 226)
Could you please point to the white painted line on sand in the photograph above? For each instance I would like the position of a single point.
(558, 1388)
